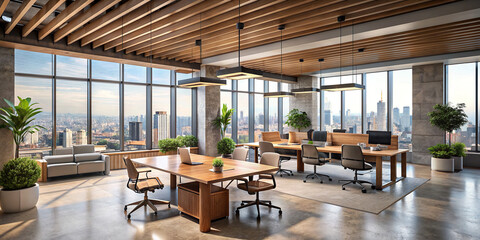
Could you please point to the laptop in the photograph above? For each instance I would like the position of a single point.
(185, 157)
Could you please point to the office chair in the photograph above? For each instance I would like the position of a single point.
(240, 153)
(257, 186)
(142, 185)
(339, 130)
(268, 147)
(311, 156)
(309, 134)
(352, 158)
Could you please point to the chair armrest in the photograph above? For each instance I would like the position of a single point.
(243, 180)
(106, 159)
(144, 171)
(42, 163)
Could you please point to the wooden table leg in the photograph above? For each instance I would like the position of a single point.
(204, 206)
(173, 181)
(256, 154)
(393, 168)
(404, 164)
(300, 165)
(378, 170)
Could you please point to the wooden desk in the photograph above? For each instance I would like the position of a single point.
(376, 155)
(202, 174)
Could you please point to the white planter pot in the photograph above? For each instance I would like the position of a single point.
(13, 201)
(458, 163)
(442, 164)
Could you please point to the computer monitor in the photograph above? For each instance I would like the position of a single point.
(320, 136)
(380, 137)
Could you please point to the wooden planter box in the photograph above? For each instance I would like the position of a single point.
(188, 200)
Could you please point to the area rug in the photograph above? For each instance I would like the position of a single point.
(331, 192)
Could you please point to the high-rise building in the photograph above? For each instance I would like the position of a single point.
(328, 117)
(135, 131)
(160, 126)
(31, 138)
(382, 115)
(81, 137)
(406, 119)
(66, 138)
(396, 116)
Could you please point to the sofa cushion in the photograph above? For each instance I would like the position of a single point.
(91, 166)
(90, 148)
(63, 151)
(87, 157)
(61, 169)
(59, 159)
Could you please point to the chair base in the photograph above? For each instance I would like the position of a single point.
(357, 182)
(284, 171)
(146, 202)
(257, 202)
(316, 175)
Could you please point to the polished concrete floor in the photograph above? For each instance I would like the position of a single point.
(91, 207)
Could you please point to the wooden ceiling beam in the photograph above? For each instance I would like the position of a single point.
(17, 16)
(144, 21)
(106, 19)
(3, 5)
(84, 18)
(152, 25)
(41, 15)
(64, 16)
(125, 20)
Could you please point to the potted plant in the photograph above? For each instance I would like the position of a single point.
(223, 120)
(188, 141)
(298, 119)
(217, 165)
(226, 147)
(442, 157)
(459, 154)
(448, 118)
(19, 181)
(18, 119)
(169, 145)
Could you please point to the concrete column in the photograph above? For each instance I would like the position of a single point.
(7, 91)
(208, 102)
(307, 102)
(427, 91)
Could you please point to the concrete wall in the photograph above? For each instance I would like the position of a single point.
(427, 91)
(208, 109)
(7, 91)
(307, 102)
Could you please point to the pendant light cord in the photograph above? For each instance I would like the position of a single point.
(151, 37)
(281, 55)
(353, 52)
(340, 62)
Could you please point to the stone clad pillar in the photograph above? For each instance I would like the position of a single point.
(307, 102)
(427, 91)
(208, 108)
(7, 91)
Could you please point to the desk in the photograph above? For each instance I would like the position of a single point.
(202, 174)
(377, 155)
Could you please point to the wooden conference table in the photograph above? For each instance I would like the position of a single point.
(202, 174)
(371, 156)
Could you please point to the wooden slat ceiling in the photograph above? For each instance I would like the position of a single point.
(168, 29)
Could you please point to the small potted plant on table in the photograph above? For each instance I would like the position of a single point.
(217, 165)
(442, 157)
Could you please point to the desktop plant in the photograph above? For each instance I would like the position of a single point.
(18, 119)
(298, 119)
(223, 120)
(225, 147)
(217, 165)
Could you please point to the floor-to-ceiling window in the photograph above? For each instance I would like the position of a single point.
(376, 101)
(226, 98)
(402, 107)
(160, 105)
(332, 106)
(462, 80)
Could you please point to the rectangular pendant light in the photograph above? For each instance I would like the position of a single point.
(305, 90)
(238, 73)
(278, 94)
(342, 87)
(201, 82)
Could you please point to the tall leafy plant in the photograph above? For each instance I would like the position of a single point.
(224, 119)
(18, 119)
(448, 118)
(298, 119)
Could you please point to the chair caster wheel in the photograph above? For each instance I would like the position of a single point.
(364, 190)
(330, 179)
(125, 208)
(169, 205)
(128, 216)
(373, 187)
(343, 188)
(258, 218)
(280, 212)
(292, 174)
(155, 213)
(241, 204)
(321, 182)
(237, 212)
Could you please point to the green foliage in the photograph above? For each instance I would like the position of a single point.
(217, 162)
(448, 118)
(19, 173)
(188, 141)
(224, 119)
(459, 149)
(18, 119)
(110, 145)
(168, 144)
(225, 146)
(298, 119)
(441, 151)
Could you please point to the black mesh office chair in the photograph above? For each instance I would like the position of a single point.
(352, 158)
